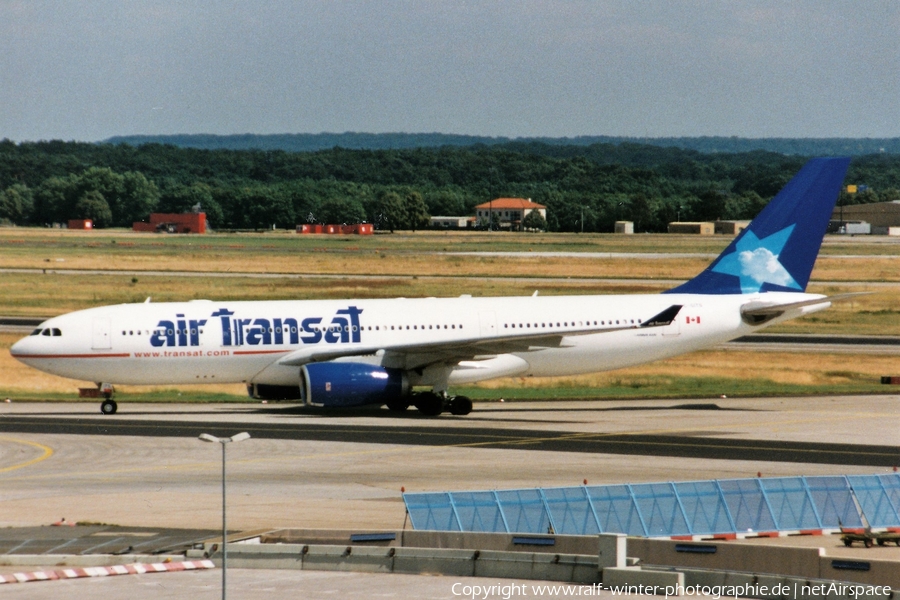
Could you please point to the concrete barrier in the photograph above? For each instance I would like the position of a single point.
(549, 557)
(728, 556)
(643, 581)
(460, 563)
(801, 563)
(438, 561)
(329, 537)
(503, 542)
(612, 550)
(536, 565)
(866, 571)
(346, 558)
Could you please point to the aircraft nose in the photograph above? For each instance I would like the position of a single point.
(19, 347)
(23, 347)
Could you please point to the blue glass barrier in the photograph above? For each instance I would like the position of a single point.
(668, 509)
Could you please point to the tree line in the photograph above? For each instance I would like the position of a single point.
(311, 142)
(585, 188)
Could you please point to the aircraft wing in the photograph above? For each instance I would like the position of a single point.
(421, 354)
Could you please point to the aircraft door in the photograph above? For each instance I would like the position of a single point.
(102, 334)
(488, 322)
(674, 328)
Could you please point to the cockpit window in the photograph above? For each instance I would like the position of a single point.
(50, 331)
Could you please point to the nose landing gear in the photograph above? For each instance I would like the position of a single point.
(108, 406)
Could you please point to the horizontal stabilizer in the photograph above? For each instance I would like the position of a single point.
(757, 313)
(762, 309)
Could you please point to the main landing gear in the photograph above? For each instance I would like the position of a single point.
(431, 404)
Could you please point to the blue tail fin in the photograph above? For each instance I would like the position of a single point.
(776, 252)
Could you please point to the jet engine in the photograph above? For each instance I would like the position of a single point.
(263, 391)
(343, 384)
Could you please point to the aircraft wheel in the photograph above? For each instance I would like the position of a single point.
(430, 405)
(397, 405)
(109, 407)
(460, 405)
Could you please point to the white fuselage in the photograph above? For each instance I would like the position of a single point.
(230, 342)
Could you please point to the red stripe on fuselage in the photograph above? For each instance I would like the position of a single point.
(52, 356)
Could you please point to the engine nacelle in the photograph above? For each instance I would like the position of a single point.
(343, 384)
(264, 391)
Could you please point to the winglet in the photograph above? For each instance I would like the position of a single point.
(777, 251)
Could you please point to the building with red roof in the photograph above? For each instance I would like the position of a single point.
(508, 212)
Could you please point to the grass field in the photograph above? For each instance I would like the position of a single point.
(42, 279)
(412, 254)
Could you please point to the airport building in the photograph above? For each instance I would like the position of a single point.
(452, 222)
(509, 212)
(882, 218)
(692, 227)
(730, 227)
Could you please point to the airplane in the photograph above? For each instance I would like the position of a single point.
(348, 353)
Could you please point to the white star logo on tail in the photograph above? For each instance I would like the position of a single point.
(755, 262)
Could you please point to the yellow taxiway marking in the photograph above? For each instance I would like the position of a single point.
(47, 453)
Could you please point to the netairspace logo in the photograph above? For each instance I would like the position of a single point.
(506, 591)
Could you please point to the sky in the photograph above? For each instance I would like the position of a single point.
(91, 69)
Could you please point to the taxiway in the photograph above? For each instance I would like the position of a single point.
(303, 468)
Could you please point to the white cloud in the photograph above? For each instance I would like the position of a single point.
(763, 267)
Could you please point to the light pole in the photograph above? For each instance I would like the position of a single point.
(493, 173)
(240, 437)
